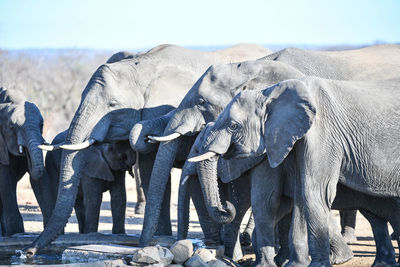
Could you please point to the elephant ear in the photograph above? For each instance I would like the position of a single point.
(4, 158)
(229, 170)
(289, 115)
(96, 166)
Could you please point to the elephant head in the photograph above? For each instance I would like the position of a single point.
(253, 124)
(21, 131)
(202, 104)
(110, 105)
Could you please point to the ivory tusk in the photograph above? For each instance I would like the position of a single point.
(202, 157)
(185, 179)
(164, 138)
(20, 149)
(80, 146)
(47, 147)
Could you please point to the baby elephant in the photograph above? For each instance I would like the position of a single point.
(104, 169)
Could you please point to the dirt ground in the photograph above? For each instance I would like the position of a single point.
(364, 248)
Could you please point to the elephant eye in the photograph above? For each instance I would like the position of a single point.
(233, 127)
(113, 103)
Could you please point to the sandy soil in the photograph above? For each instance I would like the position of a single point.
(364, 248)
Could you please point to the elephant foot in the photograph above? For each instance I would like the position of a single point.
(283, 256)
(320, 264)
(349, 235)
(341, 254)
(245, 239)
(293, 263)
(384, 264)
(139, 207)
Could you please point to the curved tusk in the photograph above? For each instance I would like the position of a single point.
(80, 146)
(20, 149)
(185, 179)
(202, 157)
(47, 147)
(164, 138)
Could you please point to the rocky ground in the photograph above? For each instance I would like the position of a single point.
(363, 248)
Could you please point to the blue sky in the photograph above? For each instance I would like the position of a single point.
(132, 24)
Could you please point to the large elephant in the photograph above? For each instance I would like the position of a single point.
(104, 170)
(234, 177)
(115, 99)
(326, 132)
(21, 128)
(220, 83)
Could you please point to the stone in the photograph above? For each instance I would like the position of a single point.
(205, 254)
(91, 253)
(164, 241)
(182, 250)
(217, 251)
(195, 261)
(166, 256)
(148, 255)
(217, 263)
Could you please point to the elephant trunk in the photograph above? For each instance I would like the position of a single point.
(139, 135)
(207, 171)
(71, 164)
(35, 155)
(185, 122)
(183, 207)
(188, 170)
(159, 177)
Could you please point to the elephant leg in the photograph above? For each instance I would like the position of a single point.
(141, 200)
(340, 251)
(118, 202)
(245, 237)
(319, 176)
(348, 225)
(13, 222)
(265, 199)
(80, 210)
(284, 229)
(211, 229)
(385, 255)
(44, 196)
(92, 189)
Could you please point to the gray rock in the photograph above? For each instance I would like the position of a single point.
(166, 256)
(148, 255)
(182, 250)
(92, 253)
(153, 255)
(164, 241)
(195, 261)
(217, 263)
(217, 251)
(205, 254)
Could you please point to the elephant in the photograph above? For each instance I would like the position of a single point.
(117, 96)
(20, 134)
(235, 177)
(220, 83)
(104, 170)
(326, 133)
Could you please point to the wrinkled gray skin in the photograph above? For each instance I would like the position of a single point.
(326, 132)
(215, 88)
(113, 101)
(104, 170)
(21, 124)
(237, 192)
(166, 158)
(239, 174)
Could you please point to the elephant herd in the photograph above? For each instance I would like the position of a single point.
(291, 135)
